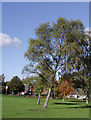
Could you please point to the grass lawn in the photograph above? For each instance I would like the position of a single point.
(26, 107)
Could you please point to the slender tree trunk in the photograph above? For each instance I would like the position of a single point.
(46, 101)
(63, 98)
(87, 98)
(38, 102)
(52, 91)
(87, 102)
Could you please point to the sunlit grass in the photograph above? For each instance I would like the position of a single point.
(26, 107)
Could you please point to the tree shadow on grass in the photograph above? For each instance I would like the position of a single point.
(77, 107)
(77, 101)
(65, 103)
(81, 107)
(33, 110)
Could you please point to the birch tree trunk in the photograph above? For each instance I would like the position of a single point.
(52, 92)
(46, 101)
(87, 97)
(87, 102)
(38, 102)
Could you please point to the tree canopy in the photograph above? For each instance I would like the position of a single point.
(59, 49)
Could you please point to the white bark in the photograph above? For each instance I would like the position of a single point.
(46, 101)
(38, 102)
(87, 102)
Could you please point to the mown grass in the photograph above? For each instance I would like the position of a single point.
(26, 107)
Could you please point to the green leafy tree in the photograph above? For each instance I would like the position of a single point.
(2, 84)
(8, 89)
(78, 56)
(27, 80)
(56, 50)
(16, 85)
(87, 68)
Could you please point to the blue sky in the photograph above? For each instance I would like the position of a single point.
(19, 21)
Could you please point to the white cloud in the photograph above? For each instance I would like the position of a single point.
(88, 31)
(17, 43)
(6, 40)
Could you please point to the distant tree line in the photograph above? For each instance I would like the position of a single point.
(14, 86)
